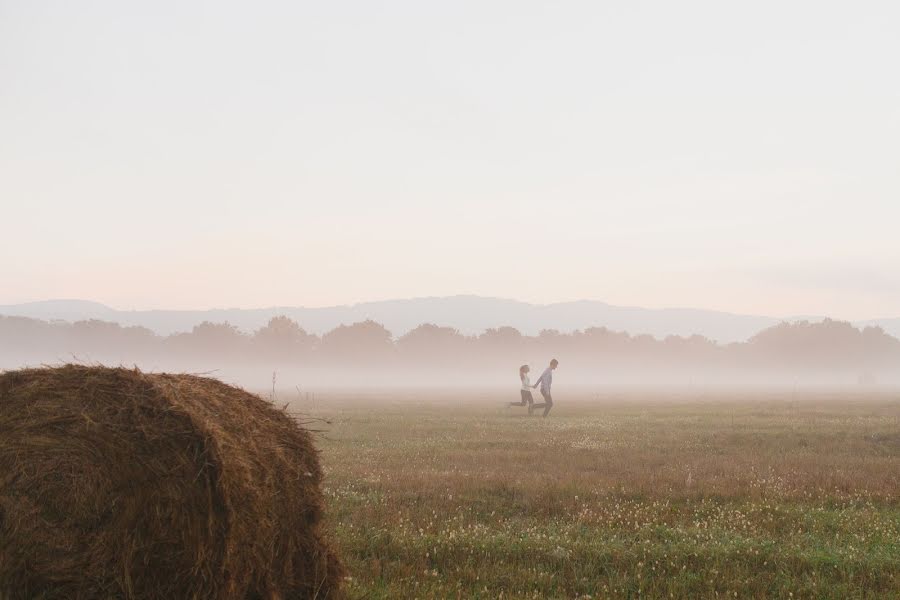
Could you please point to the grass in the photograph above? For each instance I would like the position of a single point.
(619, 496)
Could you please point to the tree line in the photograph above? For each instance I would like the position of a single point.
(822, 346)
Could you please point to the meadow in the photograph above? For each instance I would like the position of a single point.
(628, 494)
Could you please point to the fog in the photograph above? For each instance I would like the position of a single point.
(367, 356)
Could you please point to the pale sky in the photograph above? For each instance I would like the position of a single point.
(735, 156)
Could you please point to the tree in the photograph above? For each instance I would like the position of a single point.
(367, 341)
(210, 340)
(430, 343)
(282, 338)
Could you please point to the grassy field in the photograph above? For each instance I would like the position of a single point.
(616, 495)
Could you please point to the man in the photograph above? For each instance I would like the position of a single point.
(545, 381)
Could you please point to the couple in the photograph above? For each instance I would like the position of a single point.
(545, 381)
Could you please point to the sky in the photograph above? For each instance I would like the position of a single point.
(735, 156)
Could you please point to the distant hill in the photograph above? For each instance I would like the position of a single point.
(469, 314)
(63, 310)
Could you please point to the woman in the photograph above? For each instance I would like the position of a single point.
(525, 391)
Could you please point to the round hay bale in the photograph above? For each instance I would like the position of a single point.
(121, 484)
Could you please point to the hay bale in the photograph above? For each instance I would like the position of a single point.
(120, 484)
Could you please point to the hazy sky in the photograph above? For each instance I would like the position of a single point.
(738, 156)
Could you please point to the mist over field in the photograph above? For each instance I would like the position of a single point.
(366, 354)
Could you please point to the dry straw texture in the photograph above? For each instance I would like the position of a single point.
(120, 484)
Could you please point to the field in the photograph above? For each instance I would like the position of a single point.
(615, 495)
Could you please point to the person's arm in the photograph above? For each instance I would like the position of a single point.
(541, 378)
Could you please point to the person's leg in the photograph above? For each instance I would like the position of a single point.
(545, 404)
(526, 399)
